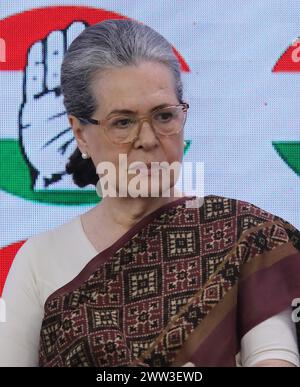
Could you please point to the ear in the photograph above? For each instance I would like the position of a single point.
(78, 131)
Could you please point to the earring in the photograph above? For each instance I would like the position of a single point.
(85, 155)
(184, 143)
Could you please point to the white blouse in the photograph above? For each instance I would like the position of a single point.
(49, 260)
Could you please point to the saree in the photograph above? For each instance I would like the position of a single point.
(183, 284)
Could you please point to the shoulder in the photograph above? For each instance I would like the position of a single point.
(246, 213)
(244, 217)
(49, 241)
(43, 261)
(216, 205)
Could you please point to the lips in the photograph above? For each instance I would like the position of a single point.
(144, 168)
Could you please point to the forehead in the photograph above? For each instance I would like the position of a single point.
(134, 87)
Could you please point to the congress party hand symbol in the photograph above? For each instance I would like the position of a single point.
(45, 135)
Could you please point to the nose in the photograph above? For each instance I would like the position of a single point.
(146, 137)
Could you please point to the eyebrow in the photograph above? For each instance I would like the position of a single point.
(126, 111)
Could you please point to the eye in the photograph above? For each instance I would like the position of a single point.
(164, 116)
(122, 123)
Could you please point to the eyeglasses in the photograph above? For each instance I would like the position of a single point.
(125, 128)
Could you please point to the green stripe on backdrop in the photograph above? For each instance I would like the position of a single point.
(15, 179)
(289, 151)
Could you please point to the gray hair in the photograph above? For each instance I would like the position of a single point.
(110, 44)
(106, 45)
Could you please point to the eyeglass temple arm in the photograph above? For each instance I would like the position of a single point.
(89, 121)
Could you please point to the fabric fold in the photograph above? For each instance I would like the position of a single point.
(185, 284)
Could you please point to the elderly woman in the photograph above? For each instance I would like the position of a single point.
(147, 280)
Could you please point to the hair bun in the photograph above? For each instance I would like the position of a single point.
(83, 170)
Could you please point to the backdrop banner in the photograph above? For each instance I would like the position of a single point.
(240, 65)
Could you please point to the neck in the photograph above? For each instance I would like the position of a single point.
(125, 212)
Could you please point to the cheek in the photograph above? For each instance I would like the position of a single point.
(103, 152)
(173, 148)
(99, 149)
